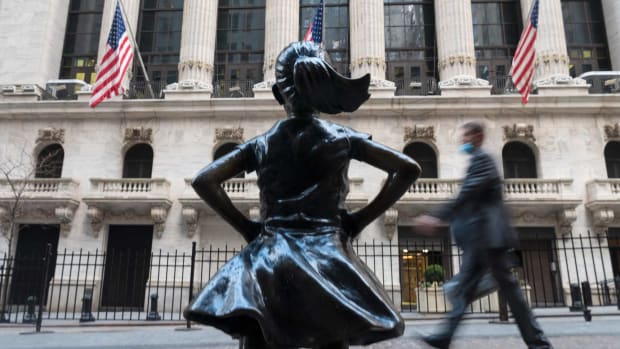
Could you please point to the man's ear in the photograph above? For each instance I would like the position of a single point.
(277, 94)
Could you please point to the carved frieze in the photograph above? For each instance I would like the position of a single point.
(95, 215)
(159, 214)
(519, 131)
(228, 134)
(602, 219)
(419, 132)
(566, 218)
(190, 216)
(51, 135)
(390, 221)
(138, 135)
(612, 131)
(65, 216)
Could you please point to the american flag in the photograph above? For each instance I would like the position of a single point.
(522, 70)
(115, 62)
(315, 30)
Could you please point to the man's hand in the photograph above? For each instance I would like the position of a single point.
(426, 225)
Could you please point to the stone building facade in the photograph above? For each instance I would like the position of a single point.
(127, 162)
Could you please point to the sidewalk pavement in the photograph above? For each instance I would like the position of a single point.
(565, 333)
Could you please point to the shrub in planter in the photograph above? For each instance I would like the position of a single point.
(434, 273)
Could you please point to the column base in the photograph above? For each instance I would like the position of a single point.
(18, 93)
(84, 95)
(188, 90)
(562, 85)
(262, 90)
(465, 86)
(381, 89)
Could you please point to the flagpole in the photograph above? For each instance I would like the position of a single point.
(135, 45)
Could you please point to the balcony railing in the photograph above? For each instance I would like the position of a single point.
(38, 187)
(535, 189)
(602, 81)
(247, 188)
(502, 85)
(433, 188)
(423, 87)
(128, 187)
(603, 190)
(514, 189)
(139, 89)
(233, 88)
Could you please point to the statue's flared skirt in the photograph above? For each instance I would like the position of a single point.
(300, 289)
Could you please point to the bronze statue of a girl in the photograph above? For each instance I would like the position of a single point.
(298, 283)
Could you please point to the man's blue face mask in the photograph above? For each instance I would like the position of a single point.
(467, 148)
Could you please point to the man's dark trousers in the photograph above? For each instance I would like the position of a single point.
(477, 262)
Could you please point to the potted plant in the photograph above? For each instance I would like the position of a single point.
(430, 294)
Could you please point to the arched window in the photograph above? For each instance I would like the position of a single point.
(49, 162)
(586, 39)
(225, 149)
(612, 159)
(240, 47)
(519, 161)
(138, 162)
(425, 156)
(410, 46)
(335, 27)
(497, 26)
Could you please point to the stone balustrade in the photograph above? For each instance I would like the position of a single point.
(603, 190)
(514, 189)
(537, 189)
(128, 187)
(39, 187)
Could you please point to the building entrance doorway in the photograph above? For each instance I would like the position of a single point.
(538, 270)
(29, 267)
(127, 266)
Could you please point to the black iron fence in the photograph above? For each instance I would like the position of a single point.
(573, 272)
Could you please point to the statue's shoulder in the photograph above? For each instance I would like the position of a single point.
(343, 131)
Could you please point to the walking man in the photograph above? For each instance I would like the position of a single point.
(481, 228)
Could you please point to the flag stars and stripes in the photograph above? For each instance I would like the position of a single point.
(114, 63)
(522, 70)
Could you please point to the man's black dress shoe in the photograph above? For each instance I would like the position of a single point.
(437, 341)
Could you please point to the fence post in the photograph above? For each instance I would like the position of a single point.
(587, 300)
(3, 283)
(191, 278)
(617, 284)
(46, 263)
(153, 315)
(575, 295)
(503, 308)
(87, 302)
(30, 317)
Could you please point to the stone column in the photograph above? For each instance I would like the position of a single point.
(32, 33)
(455, 46)
(281, 28)
(132, 13)
(368, 44)
(197, 51)
(611, 11)
(551, 76)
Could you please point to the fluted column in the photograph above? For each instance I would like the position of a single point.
(552, 72)
(455, 46)
(611, 11)
(281, 28)
(132, 12)
(197, 51)
(368, 44)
